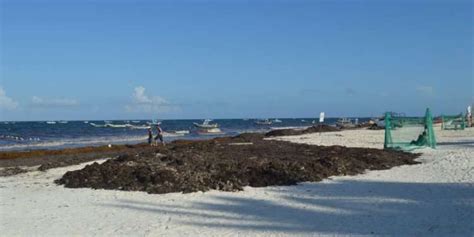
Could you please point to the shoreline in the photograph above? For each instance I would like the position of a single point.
(51, 158)
(76, 134)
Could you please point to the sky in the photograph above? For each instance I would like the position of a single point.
(75, 60)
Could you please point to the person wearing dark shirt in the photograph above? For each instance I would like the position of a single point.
(150, 136)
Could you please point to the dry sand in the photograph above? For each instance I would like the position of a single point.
(435, 198)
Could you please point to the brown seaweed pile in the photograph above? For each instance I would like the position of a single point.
(294, 132)
(229, 164)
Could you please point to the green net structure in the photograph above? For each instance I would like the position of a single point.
(408, 133)
(453, 122)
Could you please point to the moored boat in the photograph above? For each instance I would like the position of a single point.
(345, 123)
(206, 124)
(210, 131)
(263, 122)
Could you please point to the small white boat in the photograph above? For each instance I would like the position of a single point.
(51, 122)
(176, 133)
(154, 122)
(206, 124)
(277, 121)
(263, 122)
(86, 121)
(290, 127)
(63, 122)
(345, 123)
(210, 131)
(109, 125)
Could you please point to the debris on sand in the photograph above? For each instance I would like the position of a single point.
(294, 132)
(11, 171)
(375, 127)
(190, 166)
(48, 159)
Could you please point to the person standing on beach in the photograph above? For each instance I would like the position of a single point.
(150, 136)
(159, 135)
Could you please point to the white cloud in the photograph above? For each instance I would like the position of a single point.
(53, 102)
(6, 102)
(148, 104)
(425, 90)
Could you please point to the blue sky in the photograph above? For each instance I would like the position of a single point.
(233, 59)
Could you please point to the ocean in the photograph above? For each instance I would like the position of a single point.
(66, 134)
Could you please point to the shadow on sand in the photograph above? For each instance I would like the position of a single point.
(334, 207)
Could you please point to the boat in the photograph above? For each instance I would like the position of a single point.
(206, 124)
(154, 122)
(178, 133)
(86, 121)
(380, 121)
(109, 125)
(277, 121)
(210, 131)
(51, 122)
(345, 123)
(63, 121)
(263, 122)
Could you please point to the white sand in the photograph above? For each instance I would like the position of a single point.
(435, 198)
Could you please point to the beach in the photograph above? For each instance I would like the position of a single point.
(435, 198)
(236, 118)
